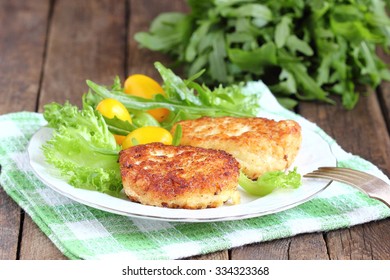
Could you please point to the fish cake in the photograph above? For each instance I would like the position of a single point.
(259, 144)
(179, 176)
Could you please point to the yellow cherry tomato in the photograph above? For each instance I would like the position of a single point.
(119, 138)
(147, 134)
(111, 108)
(145, 87)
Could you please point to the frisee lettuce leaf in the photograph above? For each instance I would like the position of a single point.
(82, 148)
(270, 181)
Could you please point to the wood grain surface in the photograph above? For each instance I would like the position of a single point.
(22, 45)
(48, 50)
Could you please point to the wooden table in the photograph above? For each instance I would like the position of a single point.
(49, 48)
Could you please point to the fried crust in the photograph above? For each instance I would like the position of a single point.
(178, 177)
(259, 144)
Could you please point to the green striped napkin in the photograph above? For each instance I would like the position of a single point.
(82, 232)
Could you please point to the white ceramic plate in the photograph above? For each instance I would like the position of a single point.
(314, 152)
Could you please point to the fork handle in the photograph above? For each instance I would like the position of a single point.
(379, 191)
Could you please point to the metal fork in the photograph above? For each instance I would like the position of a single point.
(367, 183)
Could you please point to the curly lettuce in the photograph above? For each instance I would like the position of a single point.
(82, 148)
(270, 181)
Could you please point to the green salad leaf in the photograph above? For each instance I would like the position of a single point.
(304, 49)
(82, 148)
(270, 181)
(177, 135)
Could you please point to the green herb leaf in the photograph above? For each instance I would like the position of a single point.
(118, 126)
(270, 181)
(282, 31)
(177, 135)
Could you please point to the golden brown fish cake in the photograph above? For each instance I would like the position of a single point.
(178, 177)
(259, 144)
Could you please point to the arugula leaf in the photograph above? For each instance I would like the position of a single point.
(117, 126)
(282, 31)
(177, 135)
(166, 32)
(256, 60)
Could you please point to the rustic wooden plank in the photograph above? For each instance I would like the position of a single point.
(361, 131)
(272, 250)
(22, 42)
(140, 60)
(9, 227)
(384, 97)
(346, 127)
(363, 242)
(86, 41)
(308, 247)
(38, 246)
(302, 247)
(384, 90)
(220, 255)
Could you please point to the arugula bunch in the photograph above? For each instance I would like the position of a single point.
(302, 49)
